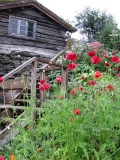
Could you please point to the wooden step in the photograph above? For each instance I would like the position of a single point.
(22, 100)
(7, 134)
(2, 106)
(15, 107)
(29, 94)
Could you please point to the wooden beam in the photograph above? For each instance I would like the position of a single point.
(48, 61)
(54, 58)
(64, 83)
(9, 106)
(33, 82)
(56, 68)
(18, 68)
(5, 106)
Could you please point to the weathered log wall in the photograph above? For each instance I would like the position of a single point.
(11, 61)
(50, 39)
(49, 34)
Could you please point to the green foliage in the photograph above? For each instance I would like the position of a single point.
(94, 134)
(98, 25)
(58, 133)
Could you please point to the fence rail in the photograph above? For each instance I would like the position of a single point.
(42, 73)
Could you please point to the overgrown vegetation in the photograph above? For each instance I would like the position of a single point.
(84, 125)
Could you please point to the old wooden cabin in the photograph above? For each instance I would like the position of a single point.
(28, 29)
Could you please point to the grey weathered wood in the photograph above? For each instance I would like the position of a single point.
(64, 83)
(33, 51)
(33, 82)
(49, 35)
(12, 129)
(24, 42)
(2, 106)
(19, 68)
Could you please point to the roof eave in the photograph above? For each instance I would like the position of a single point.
(39, 6)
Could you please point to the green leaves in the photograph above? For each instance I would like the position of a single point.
(98, 25)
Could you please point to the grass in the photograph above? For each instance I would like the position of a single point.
(60, 134)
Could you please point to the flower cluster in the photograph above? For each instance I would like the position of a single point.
(1, 157)
(1, 79)
(98, 55)
(72, 57)
(59, 79)
(95, 46)
(12, 157)
(44, 86)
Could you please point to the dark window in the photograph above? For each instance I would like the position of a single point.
(22, 27)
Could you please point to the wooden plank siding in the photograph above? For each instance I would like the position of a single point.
(49, 34)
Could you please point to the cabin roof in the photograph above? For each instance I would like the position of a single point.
(21, 3)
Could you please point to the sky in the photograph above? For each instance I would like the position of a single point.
(68, 9)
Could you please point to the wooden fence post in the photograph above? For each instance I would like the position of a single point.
(64, 83)
(33, 82)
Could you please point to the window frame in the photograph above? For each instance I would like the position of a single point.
(18, 27)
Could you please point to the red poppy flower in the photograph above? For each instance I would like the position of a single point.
(95, 60)
(97, 74)
(85, 92)
(1, 79)
(47, 86)
(41, 87)
(115, 59)
(71, 66)
(72, 119)
(91, 53)
(42, 81)
(91, 83)
(117, 69)
(1, 157)
(59, 79)
(113, 53)
(99, 93)
(110, 87)
(105, 89)
(77, 111)
(71, 56)
(73, 92)
(106, 56)
(80, 88)
(119, 75)
(27, 127)
(107, 64)
(50, 63)
(84, 77)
